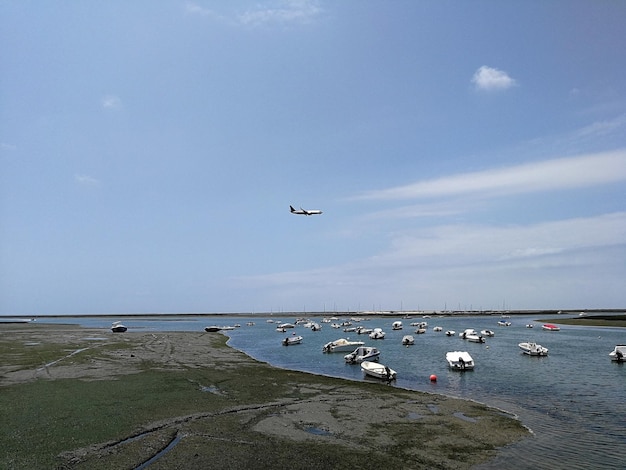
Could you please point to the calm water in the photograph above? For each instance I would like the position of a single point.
(574, 400)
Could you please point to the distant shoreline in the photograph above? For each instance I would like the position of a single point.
(347, 313)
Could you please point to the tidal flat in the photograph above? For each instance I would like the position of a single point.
(74, 398)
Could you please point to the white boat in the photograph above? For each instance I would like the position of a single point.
(290, 340)
(504, 323)
(550, 327)
(377, 333)
(475, 338)
(118, 327)
(460, 360)
(286, 325)
(361, 330)
(341, 345)
(487, 333)
(450, 333)
(437, 328)
(396, 325)
(468, 332)
(407, 340)
(533, 349)
(619, 353)
(362, 353)
(379, 371)
(316, 327)
(530, 325)
(420, 331)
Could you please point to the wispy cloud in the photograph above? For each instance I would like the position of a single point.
(562, 173)
(86, 180)
(472, 263)
(111, 102)
(488, 79)
(287, 11)
(602, 128)
(195, 9)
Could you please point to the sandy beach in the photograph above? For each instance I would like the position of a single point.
(186, 399)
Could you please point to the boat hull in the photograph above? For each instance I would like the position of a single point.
(378, 371)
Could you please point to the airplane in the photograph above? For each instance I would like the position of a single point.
(304, 211)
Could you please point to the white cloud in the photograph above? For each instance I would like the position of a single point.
(288, 11)
(195, 9)
(111, 102)
(487, 78)
(602, 128)
(475, 264)
(86, 180)
(562, 173)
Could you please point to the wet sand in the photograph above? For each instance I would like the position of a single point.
(219, 406)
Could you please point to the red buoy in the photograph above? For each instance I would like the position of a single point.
(433, 378)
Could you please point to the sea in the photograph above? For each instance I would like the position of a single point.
(573, 400)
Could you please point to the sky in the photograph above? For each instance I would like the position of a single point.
(465, 155)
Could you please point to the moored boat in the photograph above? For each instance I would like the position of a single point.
(379, 371)
(468, 332)
(619, 353)
(290, 340)
(533, 349)
(487, 333)
(450, 333)
(341, 345)
(362, 353)
(407, 340)
(396, 325)
(475, 338)
(550, 327)
(377, 333)
(460, 360)
(118, 327)
(212, 329)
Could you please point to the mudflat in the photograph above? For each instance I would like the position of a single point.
(79, 398)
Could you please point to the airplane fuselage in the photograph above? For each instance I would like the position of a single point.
(302, 211)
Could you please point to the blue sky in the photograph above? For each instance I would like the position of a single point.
(465, 155)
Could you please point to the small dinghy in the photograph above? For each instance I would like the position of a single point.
(378, 371)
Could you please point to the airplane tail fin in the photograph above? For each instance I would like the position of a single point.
(292, 209)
